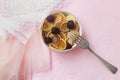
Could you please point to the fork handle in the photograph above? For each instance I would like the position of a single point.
(112, 68)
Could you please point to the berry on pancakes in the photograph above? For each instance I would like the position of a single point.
(55, 30)
(48, 40)
(50, 18)
(70, 24)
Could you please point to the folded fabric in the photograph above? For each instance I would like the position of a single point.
(10, 56)
(18, 61)
(19, 24)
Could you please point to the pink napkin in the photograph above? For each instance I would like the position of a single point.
(10, 57)
(20, 61)
(36, 57)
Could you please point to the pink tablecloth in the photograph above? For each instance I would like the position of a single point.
(100, 20)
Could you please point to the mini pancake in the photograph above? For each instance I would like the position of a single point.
(53, 47)
(44, 33)
(63, 27)
(63, 35)
(58, 24)
(70, 17)
(47, 26)
(62, 45)
(55, 38)
(70, 41)
(59, 17)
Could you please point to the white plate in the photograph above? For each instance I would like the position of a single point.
(80, 32)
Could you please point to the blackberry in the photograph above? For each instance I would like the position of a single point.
(50, 18)
(70, 24)
(69, 46)
(55, 30)
(48, 40)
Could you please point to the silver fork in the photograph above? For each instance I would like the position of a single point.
(83, 43)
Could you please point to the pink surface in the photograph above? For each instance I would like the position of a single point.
(100, 20)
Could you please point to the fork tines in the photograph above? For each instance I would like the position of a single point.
(75, 37)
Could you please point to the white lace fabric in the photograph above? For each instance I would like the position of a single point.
(19, 17)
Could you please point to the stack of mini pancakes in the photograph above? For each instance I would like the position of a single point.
(55, 29)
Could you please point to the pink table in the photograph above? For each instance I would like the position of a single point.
(100, 20)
